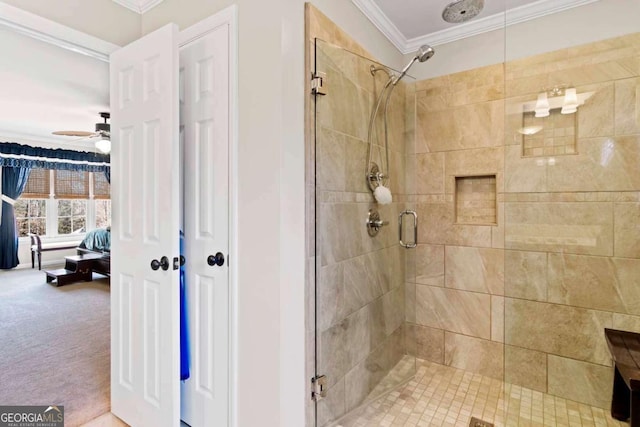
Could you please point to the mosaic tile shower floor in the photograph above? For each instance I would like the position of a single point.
(444, 396)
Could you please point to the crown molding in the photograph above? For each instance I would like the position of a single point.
(494, 22)
(39, 28)
(382, 22)
(138, 6)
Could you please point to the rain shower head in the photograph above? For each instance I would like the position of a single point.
(462, 10)
(424, 52)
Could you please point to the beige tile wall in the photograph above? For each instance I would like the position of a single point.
(360, 290)
(527, 300)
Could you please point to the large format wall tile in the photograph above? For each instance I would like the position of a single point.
(330, 296)
(497, 318)
(343, 345)
(525, 275)
(475, 269)
(627, 107)
(428, 343)
(596, 116)
(626, 322)
(468, 126)
(348, 107)
(339, 222)
(524, 174)
(627, 229)
(603, 283)
(433, 94)
(497, 231)
(556, 329)
(602, 164)
(364, 281)
(430, 173)
(429, 265)
(474, 355)
(355, 152)
(526, 368)
(393, 310)
(467, 313)
(580, 381)
(467, 87)
(477, 85)
(410, 302)
(437, 227)
(330, 160)
(366, 375)
(581, 228)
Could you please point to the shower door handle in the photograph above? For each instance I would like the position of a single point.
(415, 229)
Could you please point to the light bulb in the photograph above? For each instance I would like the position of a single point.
(542, 105)
(570, 104)
(103, 145)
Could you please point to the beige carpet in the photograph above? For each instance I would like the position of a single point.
(54, 344)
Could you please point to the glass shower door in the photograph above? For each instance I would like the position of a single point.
(362, 344)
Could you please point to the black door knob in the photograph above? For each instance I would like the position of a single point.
(217, 259)
(164, 263)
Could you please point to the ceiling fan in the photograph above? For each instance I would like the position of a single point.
(101, 135)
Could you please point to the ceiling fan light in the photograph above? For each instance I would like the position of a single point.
(103, 145)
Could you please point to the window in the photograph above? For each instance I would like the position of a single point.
(31, 216)
(102, 195)
(103, 213)
(72, 216)
(61, 202)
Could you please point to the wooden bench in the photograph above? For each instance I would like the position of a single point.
(625, 349)
(37, 248)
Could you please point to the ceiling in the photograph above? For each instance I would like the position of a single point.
(139, 6)
(46, 88)
(411, 23)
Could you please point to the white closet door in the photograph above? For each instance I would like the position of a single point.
(145, 350)
(204, 65)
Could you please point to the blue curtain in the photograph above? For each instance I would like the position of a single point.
(13, 182)
(18, 155)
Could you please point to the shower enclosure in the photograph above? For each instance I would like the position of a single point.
(522, 167)
(360, 291)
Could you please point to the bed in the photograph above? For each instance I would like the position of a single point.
(98, 241)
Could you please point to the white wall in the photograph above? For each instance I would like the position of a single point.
(271, 383)
(272, 196)
(50, 258)
(585, 24)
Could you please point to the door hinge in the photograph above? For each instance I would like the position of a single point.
(319, 83)
(318, 387)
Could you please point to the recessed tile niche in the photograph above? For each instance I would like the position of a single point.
(476, 201)
(549, 136)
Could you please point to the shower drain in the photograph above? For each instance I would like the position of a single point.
(475, 422)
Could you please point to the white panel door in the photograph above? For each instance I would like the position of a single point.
(145, 350)
(204, 65)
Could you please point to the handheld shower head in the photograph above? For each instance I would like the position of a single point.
(424, 52)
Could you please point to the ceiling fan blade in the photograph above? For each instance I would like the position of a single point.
(73, 133)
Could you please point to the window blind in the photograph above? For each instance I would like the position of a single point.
(101, 188)
(71, 184)
(37, 185)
